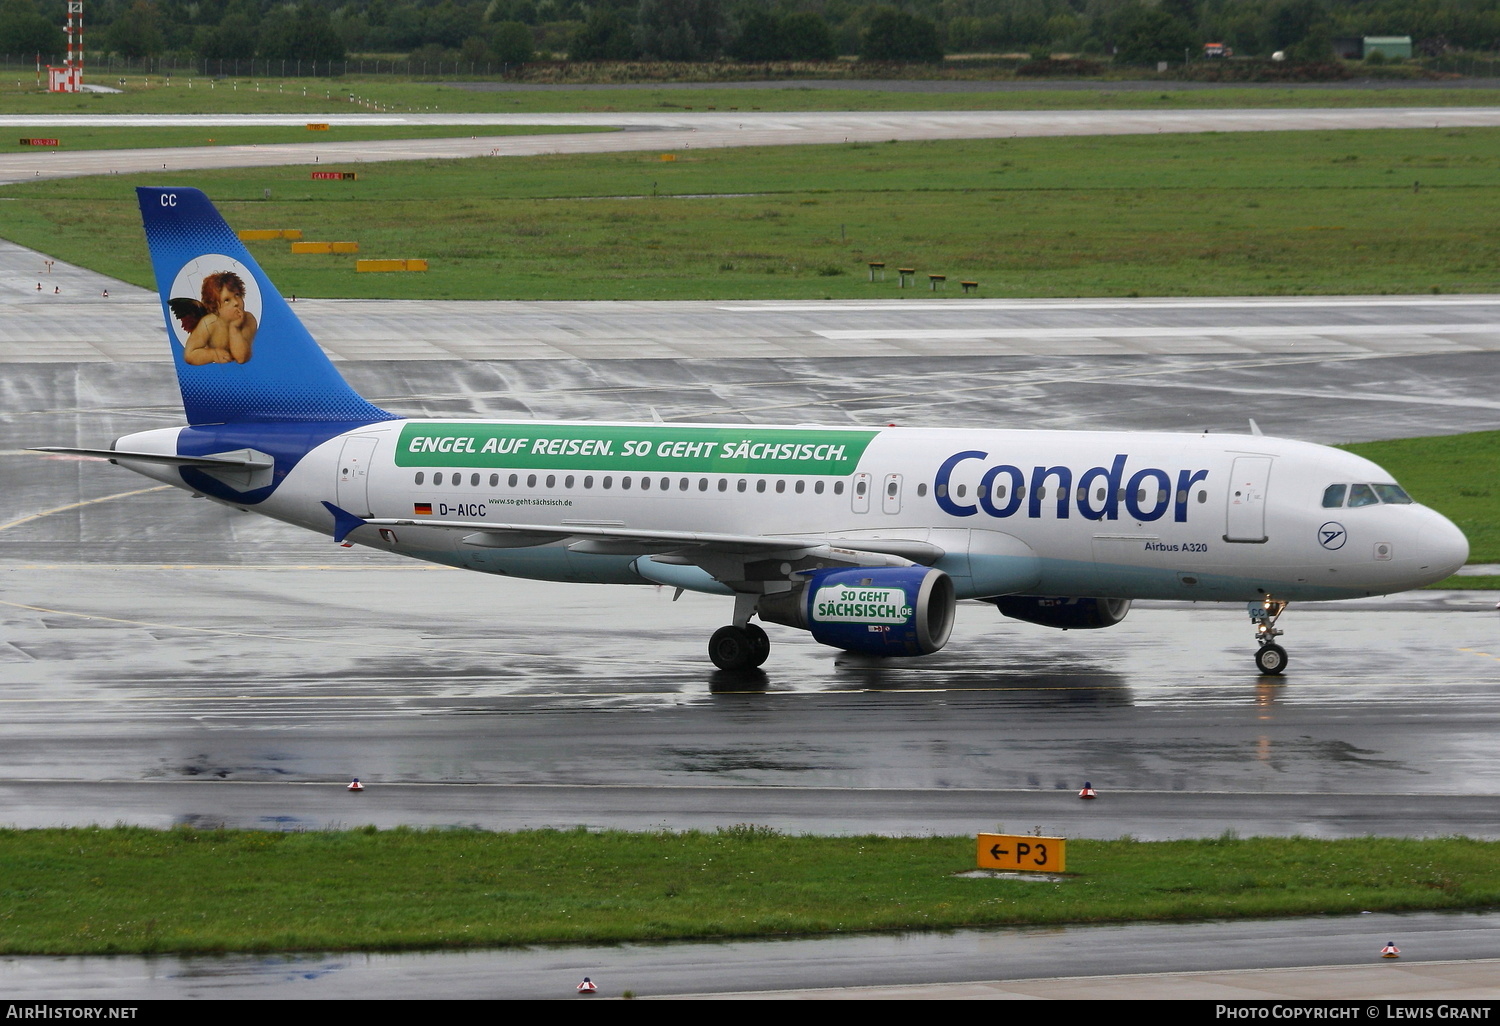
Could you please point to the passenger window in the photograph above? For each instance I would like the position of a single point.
(921, 490)
(458, 479)
(818, 487)
(551, 480)
(1202, 497)
(665, 484)
(723, 484)
(606, 482)
(961, 491)
(494, 480)
(1362, 495)
(1333, 496)
(781, 487)
(1392, 493)
(838, 488)
(568, 481)
(645, 483)
(420, 477)
(760, 485)
(512, 480)
(474, 480)
(682, 485)
(437, 478)
(530, 480)
(741, 486)
(625, 483)
(588, 481)
(703, 484)
(800, 486)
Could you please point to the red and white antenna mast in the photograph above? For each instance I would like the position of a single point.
(75, 43)
(69, 77)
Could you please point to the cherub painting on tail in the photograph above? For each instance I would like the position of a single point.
(220, 329)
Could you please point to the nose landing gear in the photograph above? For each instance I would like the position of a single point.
(1270, 657)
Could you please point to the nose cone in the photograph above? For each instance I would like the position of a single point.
(1441, 548)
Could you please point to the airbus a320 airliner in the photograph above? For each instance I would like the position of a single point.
(865, 537)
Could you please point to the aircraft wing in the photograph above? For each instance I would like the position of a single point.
(623, 541)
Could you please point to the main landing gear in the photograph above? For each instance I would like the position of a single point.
(739, 648)
(742, 645)
(1270, 657)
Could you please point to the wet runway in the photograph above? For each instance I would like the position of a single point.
(680, 130)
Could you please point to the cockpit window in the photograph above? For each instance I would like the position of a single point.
(1333, 496)
(1362, 495)
(1391, 493)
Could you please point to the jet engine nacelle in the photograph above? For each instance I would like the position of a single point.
(884, 611)
(1067, 613)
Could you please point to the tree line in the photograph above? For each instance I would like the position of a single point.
(517, 31)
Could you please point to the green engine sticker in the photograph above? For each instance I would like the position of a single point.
(843, 604)
(645, 449)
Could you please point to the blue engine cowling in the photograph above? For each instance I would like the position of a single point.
(884, 611)
(1067, 613)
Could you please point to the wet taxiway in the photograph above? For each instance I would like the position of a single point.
(248, 696)
(1314, 958)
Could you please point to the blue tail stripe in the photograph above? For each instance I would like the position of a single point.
(259, 367)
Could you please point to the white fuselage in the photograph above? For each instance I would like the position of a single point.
(1129, 515)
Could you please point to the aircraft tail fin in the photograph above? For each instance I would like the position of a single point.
(241, 353)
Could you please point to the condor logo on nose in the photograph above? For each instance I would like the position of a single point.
(1332, 535)
(1147, 495)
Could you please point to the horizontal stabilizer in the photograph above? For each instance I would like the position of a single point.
(246, 458)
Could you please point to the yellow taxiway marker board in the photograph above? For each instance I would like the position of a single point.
(1023, 852)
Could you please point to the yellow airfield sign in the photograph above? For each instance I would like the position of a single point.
(1023, 852)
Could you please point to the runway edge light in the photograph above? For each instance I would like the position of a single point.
(1022, 852)
(1390, 950)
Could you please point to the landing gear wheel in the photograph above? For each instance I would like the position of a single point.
(760, 644)
(733, 648)
(1271, 659)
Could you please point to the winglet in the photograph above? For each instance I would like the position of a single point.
(344, 522)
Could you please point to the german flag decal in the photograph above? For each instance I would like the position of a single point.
(421, 509)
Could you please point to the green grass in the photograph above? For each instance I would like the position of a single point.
(1457, 583)
(18, 95)
(86, 137)
(1458, 475)
(95, 891)
(1216, 214)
